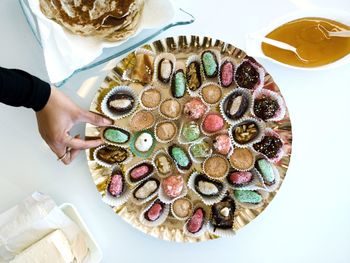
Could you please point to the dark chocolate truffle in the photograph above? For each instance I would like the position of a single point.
(247, 75)
(245, 132)
(223, 213)
(269, 146)
(265, 107)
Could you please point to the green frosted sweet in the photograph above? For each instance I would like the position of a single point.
(209, 64)
(266, 170)
(116, 136)
(247, 196)
(200, 150)
(190, 131)
(180, 156)
(180, 85)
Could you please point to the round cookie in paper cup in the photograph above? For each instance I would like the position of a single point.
(194, 75)
(117, 191)
(170, 109)
(164, 68)
(210, 59)
(145, 219)
(268, 105)
(200, 150)
(163, 163)
(271, 146)
(145, 191)
(181, 208)
(222, 217)
(210, 191)
(142, 120)
(226, 73)
(197, 223)
(248, 180)
(251, 199)
(249, 75)
(235, 105)
(139, 172)
(165, 131)
(246, 131)
(242, 159)
(150, 98)
(115, 135)
(119, 102)
(216, 167)
(268, 174)
(110, 155)
(171, 188)
(211, 93)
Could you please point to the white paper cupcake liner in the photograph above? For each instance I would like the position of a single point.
(208, 200)
(280, 153)
(146, 127)
(261, 128)
(127, 174)
(205, 221)
(125, 144)
(115, 90)
(238, 168)
(107, 165)
(223, 175)
(127, 73)
(167, 117)
(220, 231)
(233, 72)
(208, 84)
(250, 205)
(255, 184)
(212, 133)
(116, 201)
(218, 61)
(143, 201)
(260, 71)
(159, 139)
(201, 159)
(181, 138)
(158, 58)
(178, 217)
(162, 151)
(160, 220)
(223, 104)
(140, 97)
(281, 112)
(190, 59)
(168, 200)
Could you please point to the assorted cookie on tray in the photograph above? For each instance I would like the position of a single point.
(192, 143)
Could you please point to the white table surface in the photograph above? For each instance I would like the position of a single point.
(308, 221)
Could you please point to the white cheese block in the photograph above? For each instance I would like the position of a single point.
(53, 248)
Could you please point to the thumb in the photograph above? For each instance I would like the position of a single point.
(95, 119)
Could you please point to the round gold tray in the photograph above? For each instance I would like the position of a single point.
(182, 47)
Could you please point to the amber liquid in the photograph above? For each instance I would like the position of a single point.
(313, 44)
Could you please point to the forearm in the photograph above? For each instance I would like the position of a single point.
(19, 88)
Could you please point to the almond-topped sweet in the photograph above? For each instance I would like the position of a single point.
(193, 75)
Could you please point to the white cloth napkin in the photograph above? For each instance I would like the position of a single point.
(65, 52)
(31, 220)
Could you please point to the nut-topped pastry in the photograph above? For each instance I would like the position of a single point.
(193, 75)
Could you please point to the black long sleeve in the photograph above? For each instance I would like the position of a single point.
(19, 88)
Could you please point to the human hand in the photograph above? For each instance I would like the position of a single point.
(57, 118)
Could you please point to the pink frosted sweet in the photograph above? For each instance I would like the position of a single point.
(195, 109)
(222, 144)
(115, 187)
(173, 185)
(213, 122)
